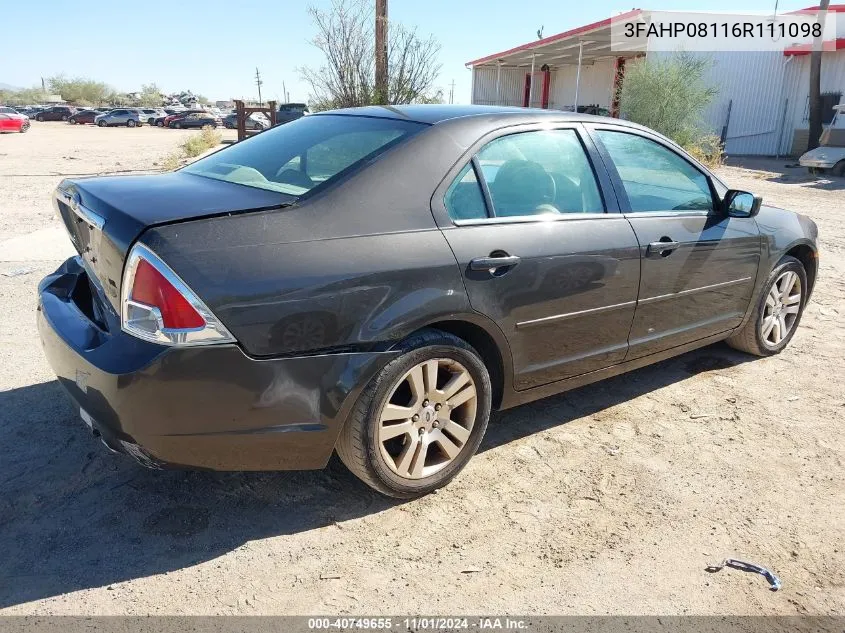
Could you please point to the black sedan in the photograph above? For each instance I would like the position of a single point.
(374, 281)
(194, 120)
(85, 116)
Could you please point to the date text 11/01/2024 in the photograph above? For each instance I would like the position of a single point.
(419, 624)
(723, 29)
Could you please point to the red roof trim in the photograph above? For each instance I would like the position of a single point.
(806, 49)
(554, 38)
(797, 50)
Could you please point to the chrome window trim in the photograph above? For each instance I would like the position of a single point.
(537, 218)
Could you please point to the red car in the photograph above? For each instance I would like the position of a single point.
(13, 123)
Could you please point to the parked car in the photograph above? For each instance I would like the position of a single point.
(149, 115)
(56, 113)
(231, 315)
(178, 115)
(829, 156)
(129, 117)
(252, 122)
(194, 120)
(8, 110)
(13, 122)
(291, 112)
(84, 116)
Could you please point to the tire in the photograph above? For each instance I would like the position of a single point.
(150, 121)
(64, 117)
(359, 447)
(24, 127)
(39, 118)
(101, 123)
(176, 126)
(71, 121)
(838, 169)
(159, 123)
(131, 123)
(750, 338)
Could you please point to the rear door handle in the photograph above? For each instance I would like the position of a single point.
(663, 248)
(492, 263)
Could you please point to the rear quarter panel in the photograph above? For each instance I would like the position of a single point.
(358, 266)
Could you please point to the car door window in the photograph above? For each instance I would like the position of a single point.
(539, 172)
(464, 199)
(654, 177)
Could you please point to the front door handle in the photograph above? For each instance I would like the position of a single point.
(492, 263)
(663, 248)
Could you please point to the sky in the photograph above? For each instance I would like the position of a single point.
(212, 47)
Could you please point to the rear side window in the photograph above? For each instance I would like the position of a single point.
(541, 172)
(464, 199)
(299, 156)
(656, 178)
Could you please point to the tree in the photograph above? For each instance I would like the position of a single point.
(150, 95)
(79, 90)
(669, 95)
(816, 114)
(346, 37)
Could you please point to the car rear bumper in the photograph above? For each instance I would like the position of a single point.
(208, 407)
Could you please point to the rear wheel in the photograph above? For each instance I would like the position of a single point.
(421, 419)
(64, 117)
(102, 123)
(130, 123)
(24, 126)
(39, 118)
(777, 313)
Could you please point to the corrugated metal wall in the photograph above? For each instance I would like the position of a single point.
(595, 86)
(757, 84)
(511, 89)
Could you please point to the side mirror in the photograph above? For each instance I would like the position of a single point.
(741, 204)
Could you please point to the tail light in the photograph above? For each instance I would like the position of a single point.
(157, 306)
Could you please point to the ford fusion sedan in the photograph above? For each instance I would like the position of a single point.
(13, 122)
(374, 281)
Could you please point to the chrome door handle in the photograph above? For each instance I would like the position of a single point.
(492, 263)
(662, 249)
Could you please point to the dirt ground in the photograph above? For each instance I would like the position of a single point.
(609, 499)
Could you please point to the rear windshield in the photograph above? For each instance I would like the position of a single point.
(298, 156)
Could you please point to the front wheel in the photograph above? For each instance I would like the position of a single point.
(421, 419)
(777, 313)
(39, 118)
(102, 123)
(130, 123)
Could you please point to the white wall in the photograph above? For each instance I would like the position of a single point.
(595, 86)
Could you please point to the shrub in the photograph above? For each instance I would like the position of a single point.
(199, 143)
(669, 95)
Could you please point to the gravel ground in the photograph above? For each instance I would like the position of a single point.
(609, 499)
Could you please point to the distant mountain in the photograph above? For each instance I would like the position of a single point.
(9, 87)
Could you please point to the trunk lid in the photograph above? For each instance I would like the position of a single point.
(105, 215)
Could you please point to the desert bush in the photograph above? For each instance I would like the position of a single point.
(669, 95)
(198, 143)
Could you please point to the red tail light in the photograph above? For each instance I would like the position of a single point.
(157, 306)
(151, 287)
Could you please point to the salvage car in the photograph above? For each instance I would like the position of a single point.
(374, 281)
(829, 156)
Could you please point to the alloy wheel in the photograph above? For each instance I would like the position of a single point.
(427, 420)
(783, 304)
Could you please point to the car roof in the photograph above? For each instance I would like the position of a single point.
(436, 113)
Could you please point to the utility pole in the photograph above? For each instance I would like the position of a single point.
(381, 51)
(452, 92)
(258, 83)
(816, 113)
(285, 93)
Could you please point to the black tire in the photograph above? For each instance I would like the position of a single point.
(357, 445)
(131, 123)
(838, 169)
(24, 127)
(176, 125)
(159, 123)
(750, 337)
(39, 118)
(101, 123)
(64, 117)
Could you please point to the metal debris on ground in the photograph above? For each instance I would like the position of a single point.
(17, 272)
(774, 581)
